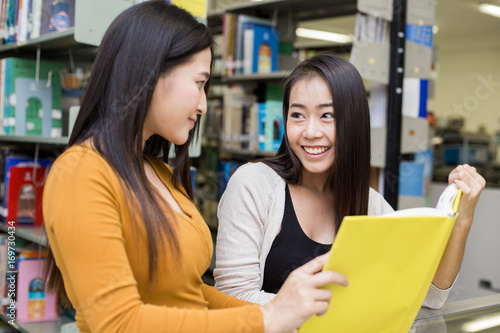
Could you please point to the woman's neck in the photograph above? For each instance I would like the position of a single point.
(315, 182)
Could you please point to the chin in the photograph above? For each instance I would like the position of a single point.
(179, 141)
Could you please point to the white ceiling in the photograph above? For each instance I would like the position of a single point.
(460, 20)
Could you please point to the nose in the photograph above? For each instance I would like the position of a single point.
(312, 130)
(202, 105)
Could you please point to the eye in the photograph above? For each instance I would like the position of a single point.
(296, 115)
(201, 83)
(328, 115)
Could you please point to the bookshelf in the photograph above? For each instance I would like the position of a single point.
(13, 139)
(302, 10)
(290, 12)
(261, 77)
(36, 235)
(40, 327)
(48, 42)
(245, 154)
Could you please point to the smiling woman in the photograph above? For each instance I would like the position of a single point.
(311, 126)
(278, 213)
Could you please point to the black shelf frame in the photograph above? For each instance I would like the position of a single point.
(395, 103)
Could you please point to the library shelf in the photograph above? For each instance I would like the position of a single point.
(33, 139)
(36, 235)
(49, 42)
(39, 327)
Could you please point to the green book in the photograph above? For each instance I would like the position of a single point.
(33, 108)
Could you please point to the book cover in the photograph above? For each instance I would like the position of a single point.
(36, 18)
(34, 303)
(12, 161)
(228, 37)
(241, 110)
(2, 93)
(57, 15)
(3, 268)
(33, 108)
(272, 124)
(6, 104)
(260, 48)
(226, 170)
(25, 195)
(243, 20)
(22, 24)
(390, 262)
(262, 126)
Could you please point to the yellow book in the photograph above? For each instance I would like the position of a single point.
(390, 262)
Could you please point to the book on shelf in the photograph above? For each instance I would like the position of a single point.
(271, 128)
(31, 108)
(212, 120)
(228, 36)
(251, 126)
(2, 94)
(22, 265)
(19, 170)
(28, 19)
(57, 15)
(3, 269)
(239, 120)
(34, 303)
(260, 48)
(226, 170)
(389, 261)
(25, 191)
(243, 21)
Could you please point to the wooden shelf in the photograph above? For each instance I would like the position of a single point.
(33, 139)
(246, 153)
(49, 43)
(302, 10)
(54, 46)
(274, 76)
(38, 327)
(36, 235)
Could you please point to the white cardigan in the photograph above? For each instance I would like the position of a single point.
(250, 213)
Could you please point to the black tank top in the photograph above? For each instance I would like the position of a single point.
(291, 249)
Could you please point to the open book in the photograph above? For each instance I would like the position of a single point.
(390, 262)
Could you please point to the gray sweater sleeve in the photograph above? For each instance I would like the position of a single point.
(243, 213)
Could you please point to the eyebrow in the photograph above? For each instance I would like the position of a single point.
(206, 74)
(321, 106)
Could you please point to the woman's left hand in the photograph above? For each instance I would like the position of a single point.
(472, 183)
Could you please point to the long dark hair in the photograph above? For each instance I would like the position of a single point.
(350, 174)
(143, 43)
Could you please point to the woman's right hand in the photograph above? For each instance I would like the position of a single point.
(300, 297)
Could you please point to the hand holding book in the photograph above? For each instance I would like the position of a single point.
(391, 260)
(301, 296)
(471, 183)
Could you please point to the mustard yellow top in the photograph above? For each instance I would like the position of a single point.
(104, 264)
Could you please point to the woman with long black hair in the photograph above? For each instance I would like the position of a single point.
(128, 246)
(281, 212)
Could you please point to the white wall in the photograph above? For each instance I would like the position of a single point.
(468, 83)
(482, 252)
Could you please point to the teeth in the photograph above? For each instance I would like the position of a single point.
(316, 151)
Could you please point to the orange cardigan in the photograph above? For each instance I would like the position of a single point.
(103, 258)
